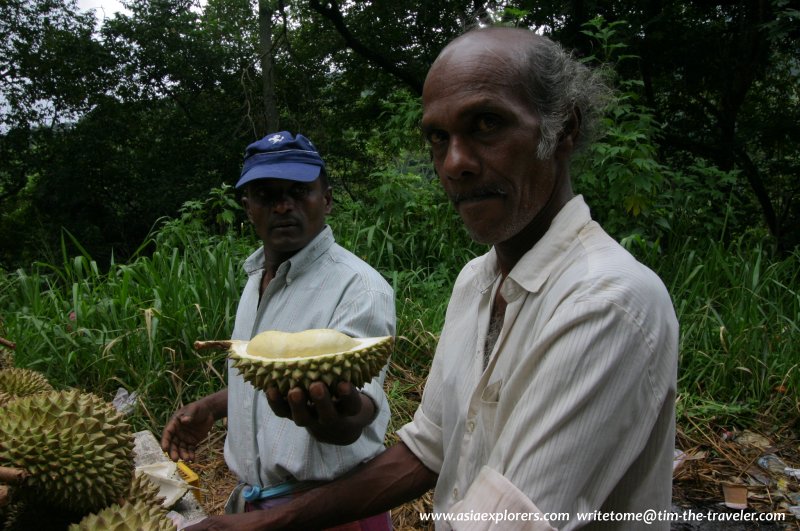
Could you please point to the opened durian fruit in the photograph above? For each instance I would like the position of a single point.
(286, 360)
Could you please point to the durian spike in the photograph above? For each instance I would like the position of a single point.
(13, 476)
(219, 344)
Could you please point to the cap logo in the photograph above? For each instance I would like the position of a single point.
(275, 139)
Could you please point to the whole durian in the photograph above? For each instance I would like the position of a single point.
(76, 448)
(21, 382)
(286, 360)
(129, 517)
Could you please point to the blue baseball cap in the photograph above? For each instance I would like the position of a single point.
(281, 156)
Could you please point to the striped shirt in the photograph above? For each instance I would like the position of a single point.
(575, 409)
(322, 286)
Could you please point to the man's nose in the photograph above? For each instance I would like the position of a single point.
(460, 159)
(283, 203)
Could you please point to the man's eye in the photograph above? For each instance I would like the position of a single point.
(299, 191)
(486, 123)
(436, 137)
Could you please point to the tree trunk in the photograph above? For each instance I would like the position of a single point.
(271, 117)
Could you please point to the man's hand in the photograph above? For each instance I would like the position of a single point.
(335, 419)
(186, 429)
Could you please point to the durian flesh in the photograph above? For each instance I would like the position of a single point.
(286, 360)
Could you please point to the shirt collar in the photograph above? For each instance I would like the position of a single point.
(535, 266)
(295, 265)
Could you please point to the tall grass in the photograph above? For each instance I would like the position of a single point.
(739, 312)
(132, 325)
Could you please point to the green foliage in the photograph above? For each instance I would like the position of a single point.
(619, 173)
(133, 325)
(739, 311)
(51, 67)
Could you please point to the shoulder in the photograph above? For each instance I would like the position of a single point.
(611, 273)
(357, 271)
(599, 281)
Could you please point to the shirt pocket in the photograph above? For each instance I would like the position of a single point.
(487, 416)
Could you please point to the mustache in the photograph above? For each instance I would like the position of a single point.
(476, 194)
(285, 222)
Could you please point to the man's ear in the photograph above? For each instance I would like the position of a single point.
(568, 138)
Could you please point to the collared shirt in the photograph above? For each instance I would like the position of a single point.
(575, 410)
(322, 286)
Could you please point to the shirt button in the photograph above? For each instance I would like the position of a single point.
(455, 494)
(470, 426)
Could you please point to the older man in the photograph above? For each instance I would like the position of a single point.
(551, 395)
(298, 279)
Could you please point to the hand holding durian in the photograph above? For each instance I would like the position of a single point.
(312, 377)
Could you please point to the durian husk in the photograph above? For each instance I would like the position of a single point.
(76, 448)
(6, 358)
(286, 360)
(16, 382)
(136, 516)
(144, 490)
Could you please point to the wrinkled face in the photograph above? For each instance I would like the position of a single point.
(483, 135)
(286, 215)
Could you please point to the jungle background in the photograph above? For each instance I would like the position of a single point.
(121, 237)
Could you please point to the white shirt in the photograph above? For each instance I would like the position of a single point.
(575, 410)
(322, 286)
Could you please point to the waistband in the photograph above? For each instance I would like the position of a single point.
(253, 493)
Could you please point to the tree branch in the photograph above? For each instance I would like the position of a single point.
(332, 12)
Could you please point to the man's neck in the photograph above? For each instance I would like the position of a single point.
(510, 251)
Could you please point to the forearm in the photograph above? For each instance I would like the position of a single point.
(391, 479)
(217, 403)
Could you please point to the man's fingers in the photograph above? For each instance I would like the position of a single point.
(278, 404)
(323, 403)
(349, 403)
(298, 404)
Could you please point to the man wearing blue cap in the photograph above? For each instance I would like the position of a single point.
(299, 279)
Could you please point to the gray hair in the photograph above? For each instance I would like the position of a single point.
(557, 84)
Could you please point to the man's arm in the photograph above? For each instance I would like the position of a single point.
(392, 478)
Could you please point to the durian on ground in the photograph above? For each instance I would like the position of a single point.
(136, 516)
(286, 360)
(17, 382)
(76, 448)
